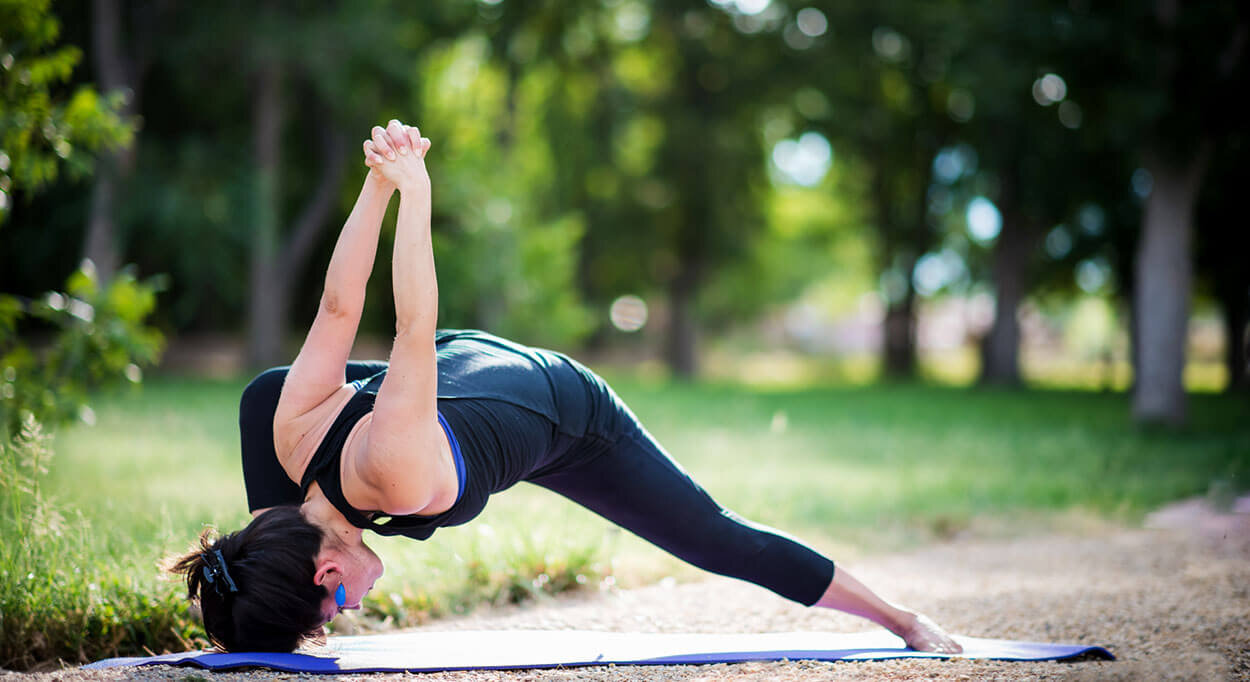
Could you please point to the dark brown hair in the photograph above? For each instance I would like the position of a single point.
(271, 561)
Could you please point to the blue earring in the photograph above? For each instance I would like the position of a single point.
(340, 596)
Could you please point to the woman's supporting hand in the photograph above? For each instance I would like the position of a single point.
(397, 154)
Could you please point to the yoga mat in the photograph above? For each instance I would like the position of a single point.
(505, 649)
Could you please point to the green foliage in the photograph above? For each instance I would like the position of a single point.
(41, 130)
(58, 598)
(55, 599)
(808, 230)
(506, 254)
(521, 568)
(99, 336)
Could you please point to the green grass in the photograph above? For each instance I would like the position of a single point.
(853, 471)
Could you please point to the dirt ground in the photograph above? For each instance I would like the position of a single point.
(1171, 601)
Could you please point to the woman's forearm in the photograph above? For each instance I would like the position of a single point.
(356, 248)
(416, 286)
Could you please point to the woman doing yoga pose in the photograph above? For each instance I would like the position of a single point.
(331, 448)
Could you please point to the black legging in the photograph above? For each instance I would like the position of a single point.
(635, 484)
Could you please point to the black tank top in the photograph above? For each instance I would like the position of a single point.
(509, 409)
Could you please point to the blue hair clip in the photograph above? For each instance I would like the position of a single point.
(340, 596)
(216, 573)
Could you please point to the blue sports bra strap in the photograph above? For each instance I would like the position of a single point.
(461, 474)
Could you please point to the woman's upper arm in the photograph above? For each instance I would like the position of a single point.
(318, 370)
(402, 462)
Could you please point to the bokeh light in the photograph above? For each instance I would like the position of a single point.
(811, 103)
(812, 22)
(1070, 114)
(633, 21)
(961, 105)
(628, 313)
(805, 161)
(1049, 89)
(937, 270)
(1092, 219)
(499, 210)
(889, 44)
(1143, 182)
(984, 220)
(1058, 242)
(1092, 274)
(953, 163)
(747, 7)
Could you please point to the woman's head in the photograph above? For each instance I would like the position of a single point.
(257, 587)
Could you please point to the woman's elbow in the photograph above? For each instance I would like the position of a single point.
(405, 500)
(335, 304)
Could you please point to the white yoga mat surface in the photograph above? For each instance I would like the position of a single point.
(503, 649)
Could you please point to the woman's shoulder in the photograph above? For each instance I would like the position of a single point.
(297, 438)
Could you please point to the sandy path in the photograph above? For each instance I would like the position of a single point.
(1171, 604)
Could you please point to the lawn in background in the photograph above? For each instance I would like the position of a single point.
(853, 471)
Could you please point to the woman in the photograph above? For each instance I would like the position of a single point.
(330, 447)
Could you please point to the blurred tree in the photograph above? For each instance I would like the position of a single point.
(1223, 243)
(99, 332)
(275, 259)
(505, 238)
(883, 70)
(123, 41)
(292, 190)
(506, 254)
(42, 129)
(710, 164)
(995, 78)
(1029, 148)
(653, 127)
(1180, 59)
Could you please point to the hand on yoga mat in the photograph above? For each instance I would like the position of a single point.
(923, 634)
(396, 155)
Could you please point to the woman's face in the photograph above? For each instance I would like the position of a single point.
(358, 569)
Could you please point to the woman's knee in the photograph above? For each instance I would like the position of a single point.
(260, 397)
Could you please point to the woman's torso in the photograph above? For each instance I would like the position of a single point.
(510, 413)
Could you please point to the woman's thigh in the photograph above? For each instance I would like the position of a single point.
(636, 484)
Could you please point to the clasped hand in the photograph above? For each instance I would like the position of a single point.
(396, 153)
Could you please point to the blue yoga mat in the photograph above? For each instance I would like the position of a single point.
(507, 649)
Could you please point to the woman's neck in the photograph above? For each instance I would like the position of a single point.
(319, 511)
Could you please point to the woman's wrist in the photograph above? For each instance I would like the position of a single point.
(414, 187)
(378, 182)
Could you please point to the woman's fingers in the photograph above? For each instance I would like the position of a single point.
(395, 138)
(372, 158)
(399, 137)
(414, 138)
(381, 142)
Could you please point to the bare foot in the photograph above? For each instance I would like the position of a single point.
(922, 634)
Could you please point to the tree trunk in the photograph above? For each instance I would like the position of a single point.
(1000, 349)
(266, 306)
(100, 245)
(1164, 281)
(1134, 340)
(900, 336)
(682, 329)
(115, 72)
(1236, 305)
(276, 262)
